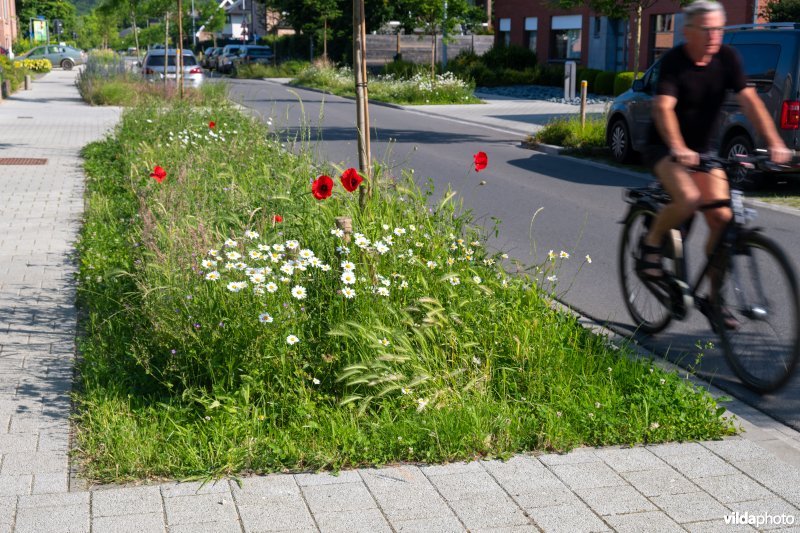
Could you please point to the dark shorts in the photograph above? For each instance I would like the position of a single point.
(654, 153)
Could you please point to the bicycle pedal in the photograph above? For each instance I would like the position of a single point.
(680, 299)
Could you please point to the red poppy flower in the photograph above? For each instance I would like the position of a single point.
(212, 124)
(277, 218)
(158, 174)
(351, 179)
(481, 160)
(322, 187)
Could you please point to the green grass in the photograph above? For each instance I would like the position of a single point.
(440, 356)
(288, 69)
(419, 89)
(568, 132)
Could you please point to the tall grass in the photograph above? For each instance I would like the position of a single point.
(221, 334)
(419, 89)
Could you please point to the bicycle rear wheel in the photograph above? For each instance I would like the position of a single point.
(643, 300)
(761, 291)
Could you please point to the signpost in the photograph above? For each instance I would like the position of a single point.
(39, 30)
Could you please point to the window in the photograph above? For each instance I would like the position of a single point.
(662, 34)
(505, 31)
(531, 28)
(596, 25)
(760, 61)
(565, 37)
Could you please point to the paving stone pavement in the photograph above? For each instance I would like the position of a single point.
(671, 487)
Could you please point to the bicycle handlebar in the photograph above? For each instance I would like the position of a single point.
(760, 159)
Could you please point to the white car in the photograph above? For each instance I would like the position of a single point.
(160, 63)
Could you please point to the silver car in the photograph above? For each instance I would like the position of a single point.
(161, 63)
(59, 55)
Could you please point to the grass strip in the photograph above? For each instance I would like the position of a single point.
(220, 334)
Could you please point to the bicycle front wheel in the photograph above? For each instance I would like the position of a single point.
(760, 289)
(644, 301)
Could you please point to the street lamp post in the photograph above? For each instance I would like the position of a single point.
(194, 32)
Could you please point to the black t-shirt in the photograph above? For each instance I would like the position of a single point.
(700, 92)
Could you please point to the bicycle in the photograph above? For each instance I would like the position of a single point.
(757, 285)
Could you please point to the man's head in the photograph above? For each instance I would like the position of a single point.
(703, 28)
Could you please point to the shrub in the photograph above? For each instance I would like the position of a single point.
(13, 72)
(569, 134)
(623, 82)
(514, 57)
(588, 74)
(604, 83)
(552, 75)
(36, 65)
(402, 69)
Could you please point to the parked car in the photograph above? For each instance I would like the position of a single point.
(59, 55)
(771, 61)
(210, 57)
(160, 63)
(251, 54)
(224, 62)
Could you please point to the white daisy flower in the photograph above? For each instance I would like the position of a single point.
(388, 240)
(287, 269)
(476, 279)
(275, 257)
(363, 242)
(384, 341)
(250, 234)
(347, 265)
(265, 318)
(230, 243)
(299, 292)
(207, 263)
(381, 248)
(418, 244)
(278, 247)
(399, 231)
(488, 261)
(454, 280)
(213, 253)
(240, 265)
(229, 266)
(404, 284)
(325, 268)
(551, 255)
(236, 286)
(305, 253)
(292, 339)
(258, 278)
(385, 227)
(588, 259)
(233, 256)
(315, 381)
(431, 264)
(475, 243)
(264, 247)
(348, 293)
(382, 291)
(563, 255)
(212, 276)
(315, 262)
(271, 287)
(450, 261)
(258, 291)
(292, 244)
(348, 278)
(255, 254)
(336, 232)
(344, 250)
(552, 279)
(285, 280)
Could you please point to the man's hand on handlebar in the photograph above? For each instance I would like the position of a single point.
(685, 156)
(779, 154)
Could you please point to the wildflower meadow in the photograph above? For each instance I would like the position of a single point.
(245, 310)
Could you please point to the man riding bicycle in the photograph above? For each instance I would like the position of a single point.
(692, 85)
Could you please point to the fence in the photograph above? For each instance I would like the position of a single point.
(381, 49)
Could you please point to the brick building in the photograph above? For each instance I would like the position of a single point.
(580, 35)
(8, 23)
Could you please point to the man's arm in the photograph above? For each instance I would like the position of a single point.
(666, 122)
(757, 114)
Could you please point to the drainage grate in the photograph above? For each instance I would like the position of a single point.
(22, 161)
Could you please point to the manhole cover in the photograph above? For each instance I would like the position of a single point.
(22, 161)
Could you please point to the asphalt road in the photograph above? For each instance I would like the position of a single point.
(544, 202)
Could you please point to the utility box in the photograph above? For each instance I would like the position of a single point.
(570, 74)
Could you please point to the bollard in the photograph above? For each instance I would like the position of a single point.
(584, 90)
(6, 88)
(27, 82)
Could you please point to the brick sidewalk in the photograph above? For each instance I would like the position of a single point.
(673, 487)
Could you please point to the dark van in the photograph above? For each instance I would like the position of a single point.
(771, 58)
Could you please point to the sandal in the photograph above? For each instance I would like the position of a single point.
(655, 268)
(728, 319)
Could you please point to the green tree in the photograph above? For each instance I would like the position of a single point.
(430, 15)
(49, 9)
(782, 11)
